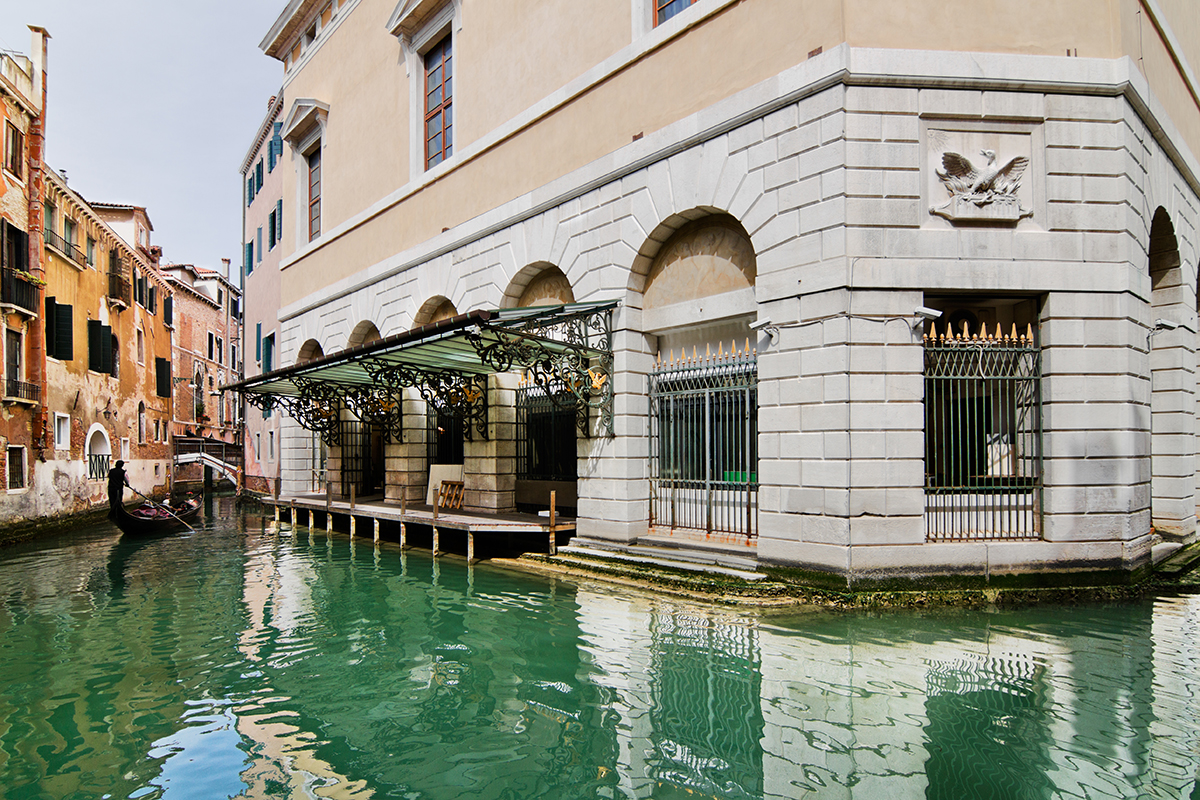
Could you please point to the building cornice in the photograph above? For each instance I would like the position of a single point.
(264, 129)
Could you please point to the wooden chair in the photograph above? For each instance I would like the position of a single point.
(450, 495)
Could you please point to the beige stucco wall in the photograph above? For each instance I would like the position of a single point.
(510, 55)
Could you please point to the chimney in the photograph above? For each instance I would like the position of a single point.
(225, 262)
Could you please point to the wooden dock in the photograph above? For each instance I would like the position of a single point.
(470, 522)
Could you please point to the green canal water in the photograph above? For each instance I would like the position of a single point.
(240, 661)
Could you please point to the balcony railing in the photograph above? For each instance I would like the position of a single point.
(66, 248)
(18, 291)
(22, 390)
(118, 287)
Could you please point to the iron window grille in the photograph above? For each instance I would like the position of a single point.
(547, 420)
(983, 437)
(98, 466)
(704, 444)
(16, 467)
(444, 440)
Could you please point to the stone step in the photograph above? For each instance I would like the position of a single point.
(690, 562)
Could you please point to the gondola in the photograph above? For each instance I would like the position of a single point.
(150, 520)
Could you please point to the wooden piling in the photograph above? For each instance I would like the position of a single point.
(435, 521)
(403, 524)
(553, 531)
(377, 529)
(353, 492)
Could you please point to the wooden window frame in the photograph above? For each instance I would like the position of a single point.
(659, 5)
(442, 52)
(14, 150)
(314, 195)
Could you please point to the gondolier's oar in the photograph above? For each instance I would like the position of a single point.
(160, 505)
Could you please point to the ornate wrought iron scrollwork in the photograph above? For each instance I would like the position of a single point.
(379, 406)
(463, 396)
(459, 394)
(571, 366)
(318, 408)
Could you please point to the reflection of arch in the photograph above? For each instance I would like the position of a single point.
(699, 256)
(435, 309)
(364, 332)
(309, 351)
(538, 284)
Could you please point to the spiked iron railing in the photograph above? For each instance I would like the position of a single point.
(983, 436)
(704, 442)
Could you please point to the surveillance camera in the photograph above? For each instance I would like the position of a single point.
(758, 326)
(1166, 324)
(928, 313)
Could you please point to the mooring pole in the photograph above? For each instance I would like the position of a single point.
(403, 525)
(553, 532)
(435, 516)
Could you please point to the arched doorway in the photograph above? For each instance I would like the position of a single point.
(99, 453)
(698, 301)
(1172, 403)
(549, 420)
(361, 454)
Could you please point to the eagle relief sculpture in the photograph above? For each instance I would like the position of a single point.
(984, 194)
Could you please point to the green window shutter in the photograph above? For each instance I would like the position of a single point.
(162, 374)
(279, 220)
(51, 328)
(249, 257)
(168, 309)
(64, 332)
(94, 357)
(258, 341)
(106, 352)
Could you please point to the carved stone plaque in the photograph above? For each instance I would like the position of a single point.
(979, 177)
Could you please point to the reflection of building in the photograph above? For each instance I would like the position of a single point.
(778, 202)
(895, 706)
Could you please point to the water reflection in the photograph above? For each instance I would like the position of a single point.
(254, 662)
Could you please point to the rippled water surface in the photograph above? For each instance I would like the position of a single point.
(244, 662)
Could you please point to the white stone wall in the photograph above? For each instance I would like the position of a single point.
(834, 188)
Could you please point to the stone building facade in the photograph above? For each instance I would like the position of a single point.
(206, 352)
(897, 295)
(108, 356)
(262, 237)
(22, 419)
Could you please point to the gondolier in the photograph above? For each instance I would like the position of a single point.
(152, 517)
(117, 481)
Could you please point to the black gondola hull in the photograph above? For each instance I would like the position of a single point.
(134, 525)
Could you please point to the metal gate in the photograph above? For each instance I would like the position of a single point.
(362, 458)
(983, 438)
(704, 444)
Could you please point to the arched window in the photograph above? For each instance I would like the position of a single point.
(141, 423)
(198, 395)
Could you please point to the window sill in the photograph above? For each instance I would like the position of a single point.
(12, 308)
(18, 401)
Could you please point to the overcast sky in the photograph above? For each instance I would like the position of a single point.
(153, 103)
